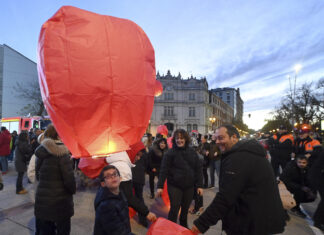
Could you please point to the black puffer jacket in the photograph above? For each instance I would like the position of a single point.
(155, 156)
(54, 200)
(248, 200)
(294, 177)
(182, 168)
(23, 154)
(138, 172)
(111, 214)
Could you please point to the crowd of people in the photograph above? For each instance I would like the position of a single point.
(247, 202)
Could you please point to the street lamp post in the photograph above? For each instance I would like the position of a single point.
(297, 68)
(212, 120)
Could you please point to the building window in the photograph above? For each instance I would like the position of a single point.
(189, 128)
(192, 96)
(168, 96)
(195, 127)
(192, 112)
(168, 111)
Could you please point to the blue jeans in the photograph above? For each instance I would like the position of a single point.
(4, 163)
(214, 165)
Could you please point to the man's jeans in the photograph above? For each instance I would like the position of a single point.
(214, 165)
(4, 163)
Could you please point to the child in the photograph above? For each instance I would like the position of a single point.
(111, 205)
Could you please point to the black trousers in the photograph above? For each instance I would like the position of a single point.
(46, 227)
(179, 198)
(319, 213)
(19, 183)
(275, 163)
(199, 200)
(152, 176)
(205, 175)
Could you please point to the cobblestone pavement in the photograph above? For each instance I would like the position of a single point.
(17, 218)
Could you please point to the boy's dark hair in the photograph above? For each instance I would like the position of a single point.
(302, 157)
(23, 136)
(106, 168)
(3, 128)
(206, 137)
(182, 133)
(231, 130)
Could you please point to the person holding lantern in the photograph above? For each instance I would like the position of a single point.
(155, 157)
(183, 171)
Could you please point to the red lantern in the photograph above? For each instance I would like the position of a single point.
(92, 167)
(97, 79)
(158, 88)
(166, 227)
(163, 130)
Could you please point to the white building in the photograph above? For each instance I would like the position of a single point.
(187, 104)
(14, 68)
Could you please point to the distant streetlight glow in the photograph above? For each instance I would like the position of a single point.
(297, 68)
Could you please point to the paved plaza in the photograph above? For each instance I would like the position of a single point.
(17, 211)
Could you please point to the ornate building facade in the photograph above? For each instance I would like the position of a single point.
(188, 104)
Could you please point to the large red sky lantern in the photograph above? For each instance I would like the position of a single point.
(97, 79)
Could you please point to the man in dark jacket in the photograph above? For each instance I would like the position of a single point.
(111, 205)
(248, 201)
(281, 147)
(214, 161)
(204, 149)
(295, 177)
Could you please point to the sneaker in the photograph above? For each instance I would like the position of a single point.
(298, 212)
(319, 226)
(24, 191)
(200, 211)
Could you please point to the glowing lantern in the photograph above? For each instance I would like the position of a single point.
(97, 79)
(163, 130)
(158, 88)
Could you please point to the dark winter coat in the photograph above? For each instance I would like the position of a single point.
(203, 148)
(111, 213)
(214, 149)
(248, 200)
(294, 177)
(155, 157)
(281, 150)
(54, 200)
(23, 154)
(317, 173)
(182, 168)
(138, 172)
(5, 139)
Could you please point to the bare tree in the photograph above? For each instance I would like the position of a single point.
(30, 92)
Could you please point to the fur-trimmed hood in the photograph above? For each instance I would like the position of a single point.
(55, 147)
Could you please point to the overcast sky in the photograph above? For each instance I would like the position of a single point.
(252, 45)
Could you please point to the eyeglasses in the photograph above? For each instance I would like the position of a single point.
(111, 176)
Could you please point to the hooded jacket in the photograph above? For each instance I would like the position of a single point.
(111, 213)
(23, 154)
(54, 200)
(248, 200)
(5, 139)
(155, 156)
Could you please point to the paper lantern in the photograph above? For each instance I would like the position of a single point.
(97, 79)
(163, 130)
(158, 88)
(92, 167)
(166, 227)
